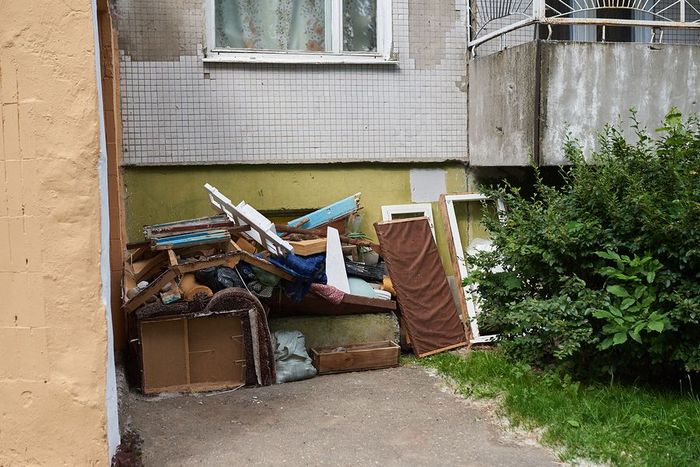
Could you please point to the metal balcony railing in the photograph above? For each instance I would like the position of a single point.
(493, 20)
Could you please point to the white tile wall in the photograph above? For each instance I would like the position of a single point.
(183, 111)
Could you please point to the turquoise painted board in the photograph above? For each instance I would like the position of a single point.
(328, 214)
(192, 238)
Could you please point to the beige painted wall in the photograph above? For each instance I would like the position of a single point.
(53, 336)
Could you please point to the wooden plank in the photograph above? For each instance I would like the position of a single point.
(404, 339)
(229, 259)
(245, 245)
(444, 349)
(266, 266)
(261, 229)
(309, 247)
(146, 268)
(172, 258)
(455, 242)
(138, 252)
(215, 349)
(152, 289)
(137, 245)
(366, 301)
(191, 239)
(263, 264)
(322, 233)
(199, 250)
(357, 357)
(328, 214)
(186, 343)
(163, 355)
(197, 387)
(449, 235)
(314, 305)
(204, 223)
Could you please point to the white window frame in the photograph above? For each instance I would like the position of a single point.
(334, 36)
(419, 209)
(469, 302)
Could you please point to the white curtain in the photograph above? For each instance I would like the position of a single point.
(583, 33)
(640, 34)
(271, 24)
(360, 25)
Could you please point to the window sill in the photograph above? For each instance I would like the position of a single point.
(298, 58)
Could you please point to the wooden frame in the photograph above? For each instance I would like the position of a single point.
(423, 209)
(262, 230)
(469, 306)
(169, 362)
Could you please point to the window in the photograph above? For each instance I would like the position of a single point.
(594, 33)
(407, 211)
(299, 31)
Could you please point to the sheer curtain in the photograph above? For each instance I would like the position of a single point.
(271, 24)
(360, 25)
(640, 34)
(582, 32)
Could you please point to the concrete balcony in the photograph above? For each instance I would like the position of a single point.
(523, 100)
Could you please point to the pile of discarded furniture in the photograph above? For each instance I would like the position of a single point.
(198, 294)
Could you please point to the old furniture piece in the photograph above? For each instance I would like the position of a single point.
(356, 357)
(191, 352)
(424, 296)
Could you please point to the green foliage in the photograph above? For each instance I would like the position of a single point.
(610, 423)
(605, 266)
(632, 302)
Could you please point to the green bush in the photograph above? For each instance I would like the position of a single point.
(601, 273)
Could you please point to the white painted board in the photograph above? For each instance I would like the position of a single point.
(335, 263)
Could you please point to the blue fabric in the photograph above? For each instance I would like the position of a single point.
(305, 269)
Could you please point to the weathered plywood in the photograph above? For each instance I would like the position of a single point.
(163, 354)
(216, 350)
(309, 247)
(192, 353)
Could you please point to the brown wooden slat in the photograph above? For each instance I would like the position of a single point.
(454, 261)
(356, 357)
(152, 289)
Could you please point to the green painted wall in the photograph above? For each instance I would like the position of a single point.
(334, 331)
(162, 194)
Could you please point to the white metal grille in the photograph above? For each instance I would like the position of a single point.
(496, 24)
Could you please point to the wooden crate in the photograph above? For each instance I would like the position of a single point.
(188, 353)
(356, 357)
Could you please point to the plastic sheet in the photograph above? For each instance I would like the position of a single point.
(219, 278)
(292, 362)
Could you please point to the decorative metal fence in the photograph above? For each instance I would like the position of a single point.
(491, 20)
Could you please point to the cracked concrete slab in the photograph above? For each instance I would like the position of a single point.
(400, 416)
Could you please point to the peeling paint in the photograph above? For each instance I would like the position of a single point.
(153, 30)
(462, 84)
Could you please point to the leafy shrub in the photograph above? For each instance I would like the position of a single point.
(602, 272)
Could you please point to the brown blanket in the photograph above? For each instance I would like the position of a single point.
(424, 296)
